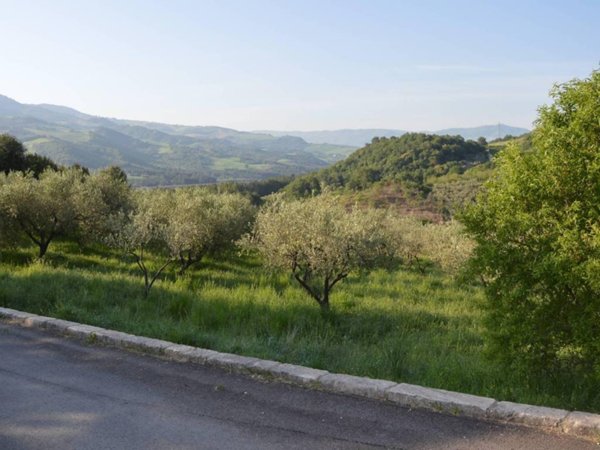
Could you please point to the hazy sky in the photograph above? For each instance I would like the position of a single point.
(302, 64)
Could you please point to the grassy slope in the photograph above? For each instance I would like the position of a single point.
(398, 325)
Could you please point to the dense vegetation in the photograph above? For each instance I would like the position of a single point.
(256, 190)
(432, 177)
(537, 226)
(403, 295)
(409, 159)
(427, 175)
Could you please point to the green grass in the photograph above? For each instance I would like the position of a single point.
(398, 325)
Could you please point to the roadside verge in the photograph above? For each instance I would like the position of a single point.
(573, 423)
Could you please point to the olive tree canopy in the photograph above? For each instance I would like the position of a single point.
(203, 223)
(40, 209)
(318, 240)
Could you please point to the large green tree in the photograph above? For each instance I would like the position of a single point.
(537, 227)
(12, 154)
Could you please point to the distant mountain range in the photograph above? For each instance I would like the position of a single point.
(359, 137)
(160, 154)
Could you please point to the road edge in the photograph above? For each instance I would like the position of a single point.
(572, 423)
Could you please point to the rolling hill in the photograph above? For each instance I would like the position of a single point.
(160, 154)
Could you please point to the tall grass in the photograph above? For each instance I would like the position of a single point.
(399, 325)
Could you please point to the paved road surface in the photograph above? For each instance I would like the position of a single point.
(56, 393)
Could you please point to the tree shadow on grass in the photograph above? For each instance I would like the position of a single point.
(360, 342)
(120, 303)
(17, 256)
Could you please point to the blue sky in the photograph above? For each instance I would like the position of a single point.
(301, 65)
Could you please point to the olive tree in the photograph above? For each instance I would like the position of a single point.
(104, 200)
(537, 229)
(407, 239)
(145, 229)
(446, 244)
(318, 240)
(40, 209)
(204, 223)
(9, 233)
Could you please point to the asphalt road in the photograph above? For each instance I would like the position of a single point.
(57, 393)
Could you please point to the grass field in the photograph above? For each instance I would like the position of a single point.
(399, 325)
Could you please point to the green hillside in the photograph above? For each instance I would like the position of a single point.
(410, 159)
(160, 154)
(427, 175)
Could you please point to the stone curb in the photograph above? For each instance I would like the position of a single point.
(574, 423)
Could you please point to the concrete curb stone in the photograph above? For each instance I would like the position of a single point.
(582, 424)
(455, 403)
(263, 367)
(85, 332)
(534, 416)
(35, 321)
(360, 386)
(575, 423)
(229, 361)
(301, 375)
(179, 352)
(13, 314)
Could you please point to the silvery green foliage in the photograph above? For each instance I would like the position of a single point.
(319, 240)
(145, 229)
(60, 203)
(182, 225)
(40, 209)
(146, 225)
(445, 244)
(104, 202)
(448, 245)
(205, 223)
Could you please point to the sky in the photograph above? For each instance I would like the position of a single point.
(298, 65)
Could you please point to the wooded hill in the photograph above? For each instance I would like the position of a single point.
(425, 174)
